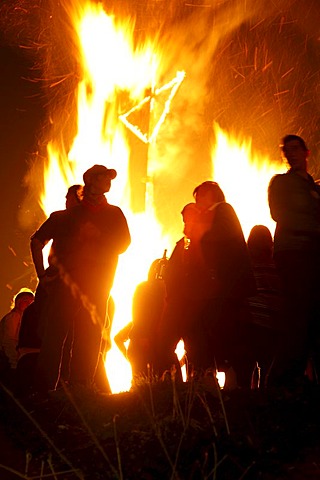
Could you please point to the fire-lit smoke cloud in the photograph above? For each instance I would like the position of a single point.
(251, 66)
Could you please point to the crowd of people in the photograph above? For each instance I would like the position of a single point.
(248, 308)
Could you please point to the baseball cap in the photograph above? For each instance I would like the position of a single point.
(98, 170)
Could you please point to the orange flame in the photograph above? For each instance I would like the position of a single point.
(181, 354)
(244, 178)
(100, 136)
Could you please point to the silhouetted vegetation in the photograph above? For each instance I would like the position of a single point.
(163, 430)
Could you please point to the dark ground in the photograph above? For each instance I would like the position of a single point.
(158, 431)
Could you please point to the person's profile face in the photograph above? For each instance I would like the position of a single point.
(24, 302)
(204, 198)
(188, 226)
(72, 199)
(100, 184)
(295, 154)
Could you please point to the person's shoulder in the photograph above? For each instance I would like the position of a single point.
(113, 208)
(10, 315)
(5, 317)
(316, 182)
(179, 244)
(104, 207)
(278, 178)
(57, 213)
(74, 211)
(55, 217)
(224, 208)
(116, 214)
(141, 287)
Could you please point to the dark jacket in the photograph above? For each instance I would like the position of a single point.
(226, 254)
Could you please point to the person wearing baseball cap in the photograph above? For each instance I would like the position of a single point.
(97, 182)
(98, 170)
(87, 239)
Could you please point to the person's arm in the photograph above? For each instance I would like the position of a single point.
(10, 337)
(36, 247)
(277, 198)
(121, 337)
(286, 207)
(124, 237)
(40, 239)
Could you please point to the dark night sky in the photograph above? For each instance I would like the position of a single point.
(239, 96)
(21, 115)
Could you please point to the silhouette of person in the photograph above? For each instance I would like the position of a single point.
(266, 307)
(9, 331)
(147, 308)
(225, 254)
(74, 195)
(34, 319)
(29, 342)
(294, 201)
(189, 286)
(87, 240)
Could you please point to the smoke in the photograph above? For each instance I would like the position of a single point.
(251, 66)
